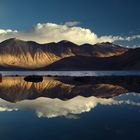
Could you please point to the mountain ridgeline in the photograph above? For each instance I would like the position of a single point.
(65, 55)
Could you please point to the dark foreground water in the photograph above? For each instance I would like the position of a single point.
(58, 109)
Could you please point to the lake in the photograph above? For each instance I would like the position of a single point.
(67, 109)
(71, 73)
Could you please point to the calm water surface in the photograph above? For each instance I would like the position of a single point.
(67, 110)
(71, 73)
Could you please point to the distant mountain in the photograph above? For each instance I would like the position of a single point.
(18, 54)
(130, 60)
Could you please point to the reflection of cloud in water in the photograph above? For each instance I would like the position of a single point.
(46, 107)
(131, 93)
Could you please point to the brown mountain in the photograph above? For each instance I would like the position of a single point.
(17, 54)
(129, 60)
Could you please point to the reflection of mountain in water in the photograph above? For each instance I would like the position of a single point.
(14, 89)
(71, 97)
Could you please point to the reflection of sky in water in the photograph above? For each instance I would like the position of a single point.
(111, 119)
(46, 107)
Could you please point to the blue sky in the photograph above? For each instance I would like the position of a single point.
(104, 17)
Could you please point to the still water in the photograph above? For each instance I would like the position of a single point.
(58, 109)
(71, 73)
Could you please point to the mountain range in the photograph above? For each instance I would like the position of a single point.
(65, 55)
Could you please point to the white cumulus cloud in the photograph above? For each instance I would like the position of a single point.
(52, 32)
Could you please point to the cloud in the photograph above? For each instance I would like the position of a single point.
(51, 32)
(4, 32)
(71, 23)
(132, 37)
